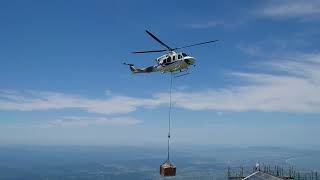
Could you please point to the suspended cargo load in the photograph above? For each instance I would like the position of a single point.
(167, 169)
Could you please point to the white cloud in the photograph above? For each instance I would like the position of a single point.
(291, 8)
(250, 50)
(77, 121)
(10, 95)
(293, 86)
(205, 25)
(35, 100)
(74, 121)
(285, 86)
(216, 23)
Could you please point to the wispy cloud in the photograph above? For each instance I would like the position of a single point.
(288, 84)
(77, 122)
(74, 121)
(216, 23)
(293, 86)
(250, 50)
(207, 24)
(285, 9)
(291, 9)
(35, 100)
(10, 95)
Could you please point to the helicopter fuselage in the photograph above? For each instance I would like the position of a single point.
(173, 61)
(170, 62)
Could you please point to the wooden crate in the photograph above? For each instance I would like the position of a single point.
(167, 169)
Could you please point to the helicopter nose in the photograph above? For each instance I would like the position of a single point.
(189, 60)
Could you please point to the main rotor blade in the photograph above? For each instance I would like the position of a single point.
(154, 37)
(151, 51)
(195, 44)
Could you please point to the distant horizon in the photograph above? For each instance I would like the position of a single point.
(163, 146)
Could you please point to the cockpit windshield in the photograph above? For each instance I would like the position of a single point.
(184, 54)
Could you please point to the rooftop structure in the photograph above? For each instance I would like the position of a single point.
(259, 175)
(267, 172)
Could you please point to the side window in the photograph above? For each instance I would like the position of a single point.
(164, 61)
(173, 57)
(179, 56)
(169, 59)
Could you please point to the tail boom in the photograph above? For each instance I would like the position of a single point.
(142, 70)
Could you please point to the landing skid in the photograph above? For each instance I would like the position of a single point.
(181, 73)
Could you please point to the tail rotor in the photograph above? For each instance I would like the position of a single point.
(132, 68)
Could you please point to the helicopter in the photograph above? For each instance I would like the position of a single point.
(172, 61)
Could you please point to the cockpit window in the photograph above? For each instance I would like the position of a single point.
(184, 54)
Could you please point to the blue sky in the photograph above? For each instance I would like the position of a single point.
(63, 82)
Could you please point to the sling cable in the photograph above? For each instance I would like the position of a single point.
(167, 168)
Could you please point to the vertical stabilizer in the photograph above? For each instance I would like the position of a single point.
(132, 68)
